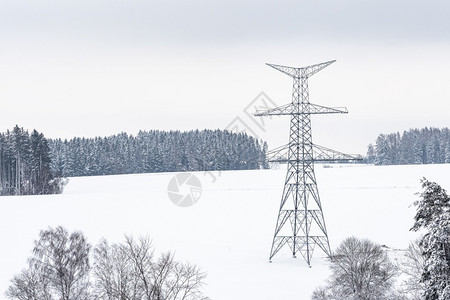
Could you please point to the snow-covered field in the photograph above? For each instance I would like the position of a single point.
(228, 232)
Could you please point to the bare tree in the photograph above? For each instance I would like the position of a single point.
(182, 281)
(140, 255)
(411, 267)
(64, 261)
(114, 273)
(59, 268)
(361, 270)
(130, 271)
(322, 293)
(29, 285)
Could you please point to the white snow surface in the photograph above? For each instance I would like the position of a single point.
(229, 231)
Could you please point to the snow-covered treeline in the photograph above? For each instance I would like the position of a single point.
(157, 151)
(416, 146)
(25, 164)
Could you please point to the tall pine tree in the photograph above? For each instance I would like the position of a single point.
(433, 215)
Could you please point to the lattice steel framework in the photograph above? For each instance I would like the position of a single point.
(300, 223)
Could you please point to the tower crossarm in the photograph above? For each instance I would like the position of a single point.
(279, 154)
(325, 154)
(303, 72)
(320, 154)
(319, 109)
(290, 109)
(277, 111)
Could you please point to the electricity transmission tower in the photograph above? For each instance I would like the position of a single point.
(300, 223)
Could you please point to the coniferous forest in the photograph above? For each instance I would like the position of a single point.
(157, 151)
(31, 164)
(416, 146)
(25, 164)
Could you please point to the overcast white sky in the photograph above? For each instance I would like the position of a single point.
(95, 68)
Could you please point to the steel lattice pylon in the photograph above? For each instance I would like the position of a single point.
(300, 222)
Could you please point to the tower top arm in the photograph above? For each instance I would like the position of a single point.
(303, 72)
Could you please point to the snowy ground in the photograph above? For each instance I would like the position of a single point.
(228, 232)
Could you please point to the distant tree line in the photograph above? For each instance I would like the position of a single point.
(416, 146)
(157, 151)
(31, 164)
(25, 164)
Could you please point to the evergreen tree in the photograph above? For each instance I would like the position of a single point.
(40, 163)
(381, 150)
(21, 149)
(370, 154)
(418, 157)
(425, 146)
(25, 164)
(433, 215)
(3, 164)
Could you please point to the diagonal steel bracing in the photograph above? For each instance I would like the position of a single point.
(301, 224)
